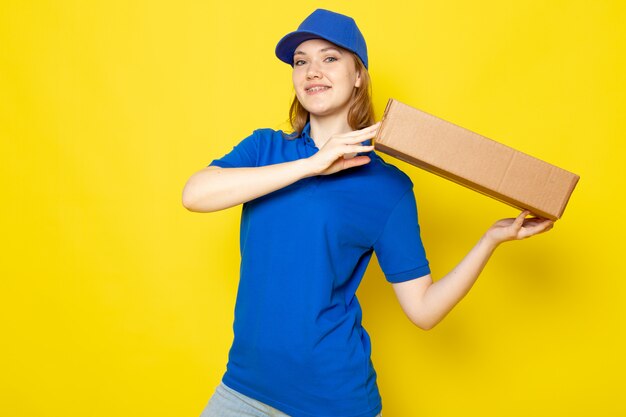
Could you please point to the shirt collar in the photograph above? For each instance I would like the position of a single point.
(306, 131)
(306, 134)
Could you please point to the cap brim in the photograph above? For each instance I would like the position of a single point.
(288, 44)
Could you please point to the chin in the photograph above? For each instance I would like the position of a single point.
(316, 110)
(320, 112)
(321, 109)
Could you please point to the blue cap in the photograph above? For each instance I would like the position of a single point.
(324, 24)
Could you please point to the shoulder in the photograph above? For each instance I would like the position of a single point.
(264, 138)
(265, 131)
(270, 137)
(269, 133)
(388, 175)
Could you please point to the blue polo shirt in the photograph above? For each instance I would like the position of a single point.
(299, 345)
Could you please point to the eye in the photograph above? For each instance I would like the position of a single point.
(331, 59)
(298, 62)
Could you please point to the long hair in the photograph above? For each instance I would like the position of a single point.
(360, 114)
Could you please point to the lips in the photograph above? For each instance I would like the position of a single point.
(317, 88)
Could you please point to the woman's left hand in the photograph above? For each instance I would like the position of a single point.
(518, 228)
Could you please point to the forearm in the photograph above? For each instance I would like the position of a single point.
(217, 189)
(441, 296)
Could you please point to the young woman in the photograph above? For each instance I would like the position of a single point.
(316, 205)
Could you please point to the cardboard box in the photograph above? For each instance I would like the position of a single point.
(474, 161)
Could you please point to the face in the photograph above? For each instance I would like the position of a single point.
(324, 77)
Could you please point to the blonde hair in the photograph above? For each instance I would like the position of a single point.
(360, 114)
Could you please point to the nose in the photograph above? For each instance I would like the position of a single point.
(313, 72)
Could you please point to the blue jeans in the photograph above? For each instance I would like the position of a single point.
(226, 402)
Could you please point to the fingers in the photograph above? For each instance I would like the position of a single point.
(519, 227)
(534, 226)
(519, 221)
(339, 149)
(358, 136)
(375, 126)
(539, 226)
(349, 144)
(355, 162)
(367, 130)
(349, 155)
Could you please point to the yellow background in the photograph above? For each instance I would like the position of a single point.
(117, 301)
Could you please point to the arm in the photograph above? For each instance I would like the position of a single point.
(215, 188)
(427, 303)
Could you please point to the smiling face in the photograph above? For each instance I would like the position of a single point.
(324, 77)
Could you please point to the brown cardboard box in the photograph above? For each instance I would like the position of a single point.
(474, 161)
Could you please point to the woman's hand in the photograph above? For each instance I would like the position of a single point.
(518, 228)
(338, 152)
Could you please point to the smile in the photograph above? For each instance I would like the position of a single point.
(316, 89)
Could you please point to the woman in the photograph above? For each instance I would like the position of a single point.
(316, 205)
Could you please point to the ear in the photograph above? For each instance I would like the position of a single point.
(357, 83)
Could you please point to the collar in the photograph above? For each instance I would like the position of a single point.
(306, 131)
(306, 134)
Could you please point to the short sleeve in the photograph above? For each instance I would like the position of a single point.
(244, 154)
(399, 247)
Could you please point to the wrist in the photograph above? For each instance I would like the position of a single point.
(306, 167)
(489, 242)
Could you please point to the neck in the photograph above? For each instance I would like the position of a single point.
(323, 127)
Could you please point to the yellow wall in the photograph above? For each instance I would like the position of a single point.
(117, 301)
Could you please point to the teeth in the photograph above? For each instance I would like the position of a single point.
(317, 88)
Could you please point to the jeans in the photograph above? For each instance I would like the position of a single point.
(226, 402)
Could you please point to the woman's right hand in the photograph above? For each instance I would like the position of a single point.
(336, 154)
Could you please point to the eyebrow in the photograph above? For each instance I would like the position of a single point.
(321, 50)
